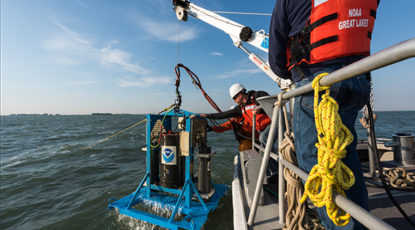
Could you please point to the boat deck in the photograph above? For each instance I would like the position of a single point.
(267, 216)
(382, 207)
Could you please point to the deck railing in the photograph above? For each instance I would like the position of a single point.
(391, 55)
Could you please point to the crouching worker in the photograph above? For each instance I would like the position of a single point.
(247, 106)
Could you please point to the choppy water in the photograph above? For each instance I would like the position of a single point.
(48, 182)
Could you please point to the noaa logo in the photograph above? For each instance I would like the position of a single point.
(169, 155)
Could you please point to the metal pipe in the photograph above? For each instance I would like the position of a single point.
(271, 154)
(264, 164)
(393, 54)
(363, 216)
(371, 154)
(281, 187)
(299, 172)
(291, 103)
(242, 47)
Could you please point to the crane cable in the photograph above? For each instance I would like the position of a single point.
(132, 126)
(246, 13)
(330, 173)
(196, 82)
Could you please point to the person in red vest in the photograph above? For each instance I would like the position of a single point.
(247, 106)
(310, 37)
(241, 129)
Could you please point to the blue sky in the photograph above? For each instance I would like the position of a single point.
(84, 56)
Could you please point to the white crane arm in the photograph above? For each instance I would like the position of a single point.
(258, 38)
(237, 32)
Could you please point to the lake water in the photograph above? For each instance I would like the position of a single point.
(48, 182)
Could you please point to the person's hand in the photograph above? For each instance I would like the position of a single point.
(203, 115)
(192, 116)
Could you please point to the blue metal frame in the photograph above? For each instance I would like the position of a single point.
(195, 211)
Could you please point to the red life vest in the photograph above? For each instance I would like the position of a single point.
(336, 28)
(262, 120)
(245, 128)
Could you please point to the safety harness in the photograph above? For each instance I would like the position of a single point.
(334, 29)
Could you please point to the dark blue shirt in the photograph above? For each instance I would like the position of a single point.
(288, 19)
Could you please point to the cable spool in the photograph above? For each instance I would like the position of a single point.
(246, 34)
(170, 161)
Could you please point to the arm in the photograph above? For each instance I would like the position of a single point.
(278, 40)
(288, 19)
(223, 127)
(227, 114)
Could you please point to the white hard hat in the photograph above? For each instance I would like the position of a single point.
(235, 89)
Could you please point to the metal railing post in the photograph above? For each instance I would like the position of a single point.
(371, 153)
(264, 165)
(281, 184)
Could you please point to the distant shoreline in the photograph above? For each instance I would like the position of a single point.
(106, 114)
(50, 114)
(98, 114)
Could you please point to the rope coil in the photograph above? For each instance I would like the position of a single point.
(297, 215)
(330, 173)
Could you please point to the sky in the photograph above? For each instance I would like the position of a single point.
(86, 56)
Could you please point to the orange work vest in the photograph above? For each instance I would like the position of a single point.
(336, 28)
(262, 120)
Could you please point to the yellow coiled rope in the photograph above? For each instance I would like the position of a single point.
(330, 173)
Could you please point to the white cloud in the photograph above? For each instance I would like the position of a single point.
(73, 50)
(238, 72)
(144, 82)
(216, 53)
(166, 31)
(116, 56)
(71, 33)
(64, 44)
